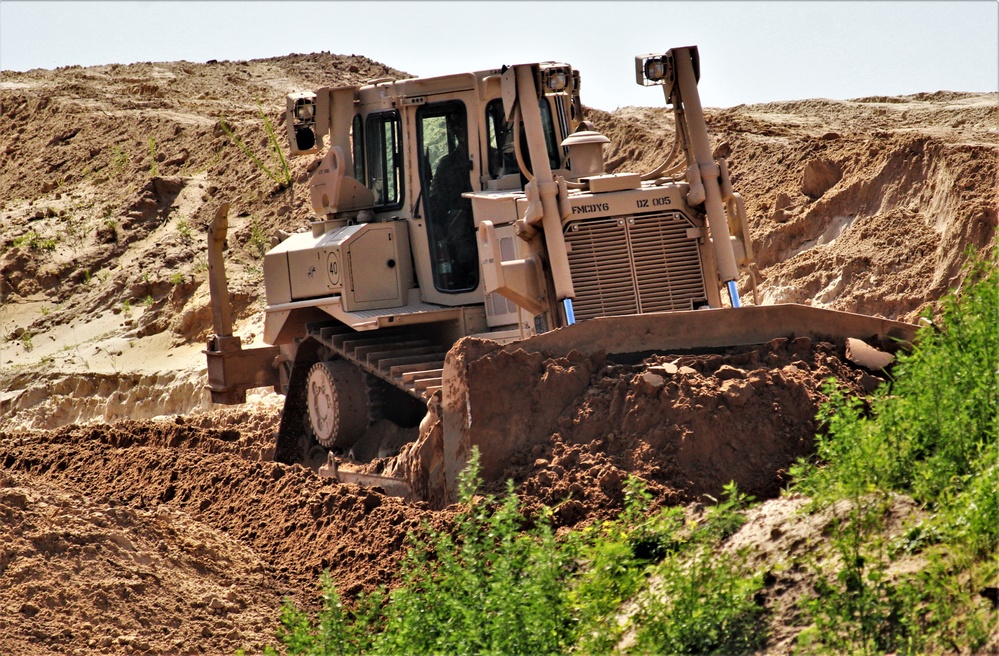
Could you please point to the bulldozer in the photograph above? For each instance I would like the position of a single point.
(458, 215)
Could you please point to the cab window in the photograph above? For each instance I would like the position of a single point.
(502, 159)
(357, 146)
(445, 174)
(383, 135)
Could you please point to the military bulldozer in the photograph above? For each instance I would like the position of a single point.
(477, 205)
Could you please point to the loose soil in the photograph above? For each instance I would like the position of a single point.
(137, 518)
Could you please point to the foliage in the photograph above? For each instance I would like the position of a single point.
(614, 557)
(184, 229)
(491, 587)
(119, 160)
(335, 631)
(258, 240)
(153, 168)
(926, 435)
(705, 604)
(499, 583)
(35, 242)
(281, 174)
(934, 435)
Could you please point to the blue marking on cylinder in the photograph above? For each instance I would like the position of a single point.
(570, 316)
(733, 294)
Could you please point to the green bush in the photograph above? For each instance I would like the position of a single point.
(336, 630)
(497, 583)
(35, 242)
(491, 588)
(706, 604)
(281, 174)
(932, 434)
(614, 558)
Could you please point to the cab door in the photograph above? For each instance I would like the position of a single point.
(445, 173)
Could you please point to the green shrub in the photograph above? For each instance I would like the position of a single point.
(35, 242)
(706, 604)
(491, 587)
(336, 630)
(118, 160)
(934, 430)
(933, 434)
(258, 240)
(856, 607)
(184, 229)
(153, 168)
(614, 558)
(281, 174)
(498, 583)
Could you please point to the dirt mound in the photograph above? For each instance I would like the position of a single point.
(88, 576)
(169, 537)
(189, 517)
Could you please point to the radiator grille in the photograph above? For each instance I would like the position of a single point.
(634, 265)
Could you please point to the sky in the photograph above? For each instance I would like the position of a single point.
(751, 51)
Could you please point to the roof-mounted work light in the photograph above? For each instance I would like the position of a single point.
(653, 69)
(555, 79)
(658, 68)
(301, 115)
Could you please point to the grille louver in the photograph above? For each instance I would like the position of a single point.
(633, 265)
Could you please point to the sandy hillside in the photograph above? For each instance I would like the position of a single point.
(123, 533)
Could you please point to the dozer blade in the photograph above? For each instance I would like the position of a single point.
(720, 328)
(475, 413)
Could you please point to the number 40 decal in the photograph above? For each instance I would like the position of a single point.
(333, 267)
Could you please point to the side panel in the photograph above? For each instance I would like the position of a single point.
(379, 269)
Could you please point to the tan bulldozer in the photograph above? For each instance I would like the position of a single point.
(477, 206)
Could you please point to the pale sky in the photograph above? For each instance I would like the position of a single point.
(750, 51)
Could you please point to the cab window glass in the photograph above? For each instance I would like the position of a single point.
(384, 158)
(499, 145)
(548, 125)
(502, 159)
(357, 146)
(445, 174)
